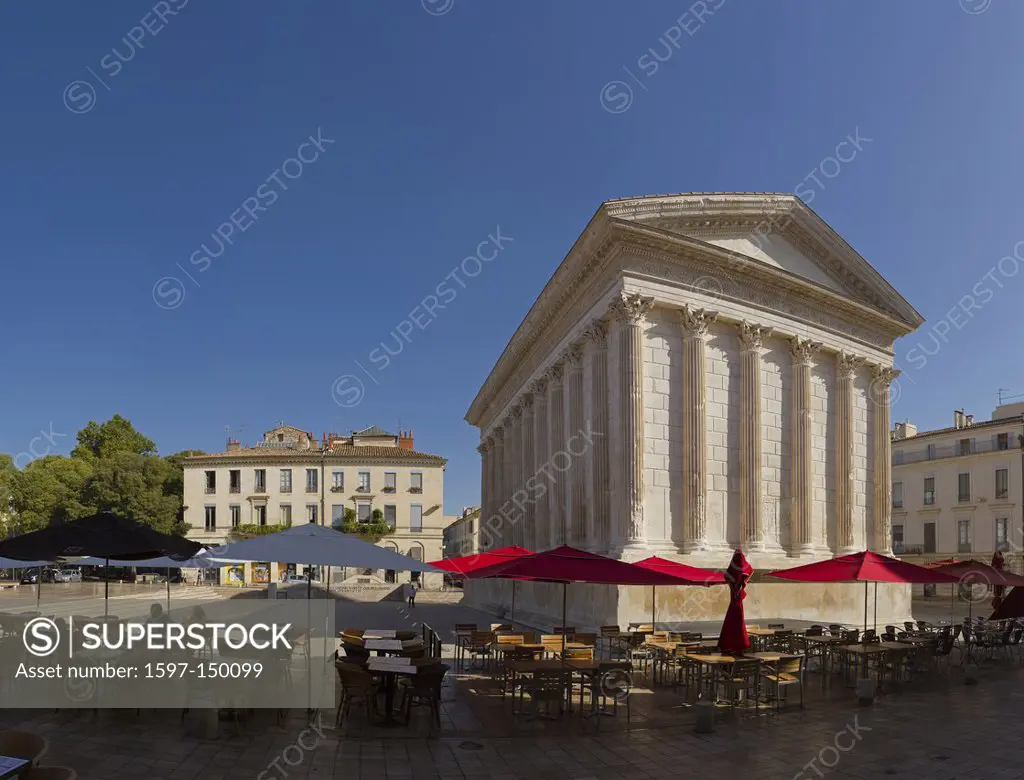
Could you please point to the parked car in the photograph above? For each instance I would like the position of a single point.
(30, 577)
(295, 579)
(71, 575)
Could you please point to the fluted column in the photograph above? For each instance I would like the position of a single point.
(556, 434)
(802, 467)
(846, 369)
(883, 377)
(751, 522)
(486, 451)
(526, 472)
(596, 414)
(694, 324)
(629, 311)
(515, 513)
(576, 474)
(495, 521)
(540, 534)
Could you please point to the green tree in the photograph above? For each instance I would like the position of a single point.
(116, 435)
(49, 489)
(139, 487)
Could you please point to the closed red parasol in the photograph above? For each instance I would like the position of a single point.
(997, 590)
(733, 636)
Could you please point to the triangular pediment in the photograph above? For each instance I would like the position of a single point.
(777, 231)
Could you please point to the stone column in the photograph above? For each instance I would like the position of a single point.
(556, 435)
(802, 466)
(526, 526)
(596, 414)
(575, 477)
(882, 379)
(846, 369)
(513, 512)
(629, 311)
(494, 522)
(695, 324)
(751, 522)
(541, 534)
(486, 451)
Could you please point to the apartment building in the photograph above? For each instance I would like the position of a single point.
(956, 491)
(462, 534)
(292, 477)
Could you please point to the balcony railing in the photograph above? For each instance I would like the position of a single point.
(235, 489)
(286, 488)
(964, 547)
(363, 489)
(259, 488)
(338, 489)
(899, 548)
(897, 503)
(905, 456)
(210, 490)
(312, 488)
(389, 489)
(964, 499)
(415, 490)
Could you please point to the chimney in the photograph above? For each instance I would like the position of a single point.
(958, 419)
(405, 440)
(904, 430)
(969, 421)
(234, 444)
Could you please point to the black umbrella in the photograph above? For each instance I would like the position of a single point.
(104, 535)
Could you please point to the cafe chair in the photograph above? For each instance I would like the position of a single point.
(423, 689)
(610, 671)
(357, 686)
(835, 629)
(784, 673)
(463, 633)
(547, 687)
(741, 680)
(49, 773)
(498, 627)
(553, 644)
(567, 630)
(479, 647)
(590, 640)
(612, 640)
(782, 641)
(23, 744)
(509, 681)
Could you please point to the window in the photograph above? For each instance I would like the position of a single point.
(1002, 441)
(416, 517)
(390, 481)
(897, 495)
(364, 512)
(311, 513)
(963, 488)
(929, 491)
(964, 446)
(1002, 483)
(235, 481)
(897, 538)
(312, 483)
(211, 518)
(963, 535)
(416, 553)
(260, 480)
(416, 482)
(211, 481)
(337, 514)
(929, 537)
(286, 480)
(391, 515)
(259, 513)
(364, 482)
(236, 515)
(931, 452)
(1002, 541)
(286, 514)
(337, 481)
(897, 457)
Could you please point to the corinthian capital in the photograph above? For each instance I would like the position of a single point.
(527, 402)
(847, 365)
(499, 433)
(803, 350)
(631, 308)
(484, 447)
(695, 322)
(751, 336)
(539, 388)
(596, 332)
(554, 375)
(573, 357)
(883, 377)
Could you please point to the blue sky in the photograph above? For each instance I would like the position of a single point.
(445, 127)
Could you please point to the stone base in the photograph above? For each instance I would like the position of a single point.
(592, 606)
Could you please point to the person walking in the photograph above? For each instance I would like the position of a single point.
(412, 594)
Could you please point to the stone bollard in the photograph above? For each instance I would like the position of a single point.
(272, 591)
(865, 692)
(705, 717)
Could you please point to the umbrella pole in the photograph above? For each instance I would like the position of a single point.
(565, 586)
(513, 618)
(39, 588)
(865, 605)
(654, 623)
(875, 626)
(106, 586)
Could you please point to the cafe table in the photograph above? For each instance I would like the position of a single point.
(11, 767)
(527, 668)
(711, 660)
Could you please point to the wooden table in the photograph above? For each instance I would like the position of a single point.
(520, 668)
(863, 652)
(10, 767)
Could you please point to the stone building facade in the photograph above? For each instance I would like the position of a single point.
(702, 372)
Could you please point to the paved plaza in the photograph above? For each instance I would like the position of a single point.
(937, 727)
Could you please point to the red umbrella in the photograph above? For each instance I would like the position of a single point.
(567, 564)
(468, 563)
(687, 575)
(970, 572)
(864, 567)
(1011, 607)
(733, 636)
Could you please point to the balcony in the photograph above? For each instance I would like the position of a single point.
(899, 548)
(363, 489)
(312, 489)
(235, 489)
(210, 490)
(286, 488)
(963, 499)
(338, 489)
(897, 503)
(260, 489)
(933, 452)
(389, 489)
(415, 490)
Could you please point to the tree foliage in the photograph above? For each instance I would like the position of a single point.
(113, 467)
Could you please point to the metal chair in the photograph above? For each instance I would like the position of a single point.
(743, 677)
(547, 687)
(786, 672)
(423, 689)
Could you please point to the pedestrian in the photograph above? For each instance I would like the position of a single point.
(412, 594)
